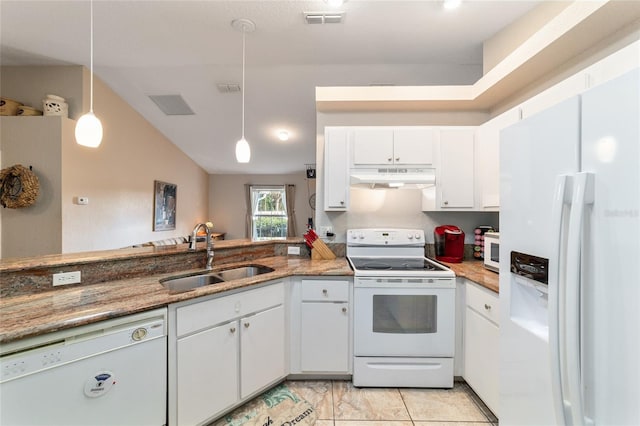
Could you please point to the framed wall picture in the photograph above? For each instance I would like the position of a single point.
(164, 201)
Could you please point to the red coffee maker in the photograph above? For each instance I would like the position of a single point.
(449, 241)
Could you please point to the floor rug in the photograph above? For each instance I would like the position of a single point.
(276, 407)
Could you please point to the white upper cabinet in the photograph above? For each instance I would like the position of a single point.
(372, 145)
(375, 146)
(455, 183)
(336, 169)
(488, 160)
(413, 145)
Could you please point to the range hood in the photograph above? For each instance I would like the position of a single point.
(392, 177)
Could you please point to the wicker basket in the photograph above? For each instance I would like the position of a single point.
(24, 110)
(8, 106)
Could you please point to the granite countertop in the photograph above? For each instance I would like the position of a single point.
(475, 271)
(35, 314)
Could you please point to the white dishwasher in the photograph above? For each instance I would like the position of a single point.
(108, 373)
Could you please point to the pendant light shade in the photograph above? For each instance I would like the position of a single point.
(89, 127)
(243, 150)
(89, 130)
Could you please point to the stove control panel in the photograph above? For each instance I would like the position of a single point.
(385, 237)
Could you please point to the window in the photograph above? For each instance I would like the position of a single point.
(268, 212)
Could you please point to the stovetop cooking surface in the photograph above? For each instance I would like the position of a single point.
(394, 264)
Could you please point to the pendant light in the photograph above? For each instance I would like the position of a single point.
(243, 150)
(89, 127)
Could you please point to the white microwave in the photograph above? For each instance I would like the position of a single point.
(492, 251)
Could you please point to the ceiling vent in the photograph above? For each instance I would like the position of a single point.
(324, 17)
(228, 87)
(172, 104)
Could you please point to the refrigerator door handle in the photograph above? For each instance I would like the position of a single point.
(561, 197)
(582, 195)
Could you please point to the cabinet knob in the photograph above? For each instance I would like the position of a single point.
(246, 325)
(397, 158)
(344, 310)
(324, 291)
(389, 159)
(487, 307)
(342, 203)
(446, 202)
(232, 330)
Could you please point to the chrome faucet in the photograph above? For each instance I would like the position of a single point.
(192, 244)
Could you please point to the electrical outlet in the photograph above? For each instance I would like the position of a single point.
(64, 278)
(293, 250)
(324, 230)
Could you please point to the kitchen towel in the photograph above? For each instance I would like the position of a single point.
(276, 407)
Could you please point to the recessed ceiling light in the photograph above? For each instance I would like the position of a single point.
(283, 135)
(451, 4)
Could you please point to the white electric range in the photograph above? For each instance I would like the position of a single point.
(404, 310)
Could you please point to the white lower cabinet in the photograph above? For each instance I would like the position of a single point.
(321, 326)
(224, 350)
(207, 366)
(262, 350)
(481, 343)
(324, 333)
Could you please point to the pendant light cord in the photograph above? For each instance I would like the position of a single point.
(243, 87)
(91, 62)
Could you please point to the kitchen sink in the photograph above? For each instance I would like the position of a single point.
(182, 283)
(190, 282)
(243, 272)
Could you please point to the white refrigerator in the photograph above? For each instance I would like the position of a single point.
(570, 259)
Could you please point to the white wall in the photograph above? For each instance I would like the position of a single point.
(401, 208)
(227, 207)
(624, 37)
(507, 40)
(118, 176)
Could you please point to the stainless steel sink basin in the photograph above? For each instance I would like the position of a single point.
(243, 272)
(185, 283)
(182, 283)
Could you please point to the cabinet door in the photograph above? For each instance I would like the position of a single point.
(262, 353)
(488, 158)
(372, 145)
(456, 168)
(481, 357)
(207, 378)
(324, 337)
(336, 169)
(413, 145)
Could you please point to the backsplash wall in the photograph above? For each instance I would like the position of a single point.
(401, 208)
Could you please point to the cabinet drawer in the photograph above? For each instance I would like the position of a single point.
(483, 301)
(205, 314)
(325, 290)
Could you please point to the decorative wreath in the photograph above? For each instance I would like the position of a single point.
(20, 187)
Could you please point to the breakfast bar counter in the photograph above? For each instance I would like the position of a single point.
(31, 313)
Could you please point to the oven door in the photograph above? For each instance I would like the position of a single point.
(404, 317)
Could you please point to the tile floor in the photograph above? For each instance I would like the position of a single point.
(338, 403)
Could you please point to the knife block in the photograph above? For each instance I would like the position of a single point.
(321, 251)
